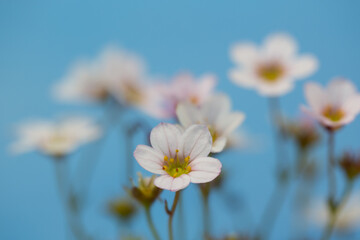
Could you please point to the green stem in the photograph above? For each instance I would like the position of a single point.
(336, 210)
(206, 213)
(171, 214)
(331, 167)
(151, 224)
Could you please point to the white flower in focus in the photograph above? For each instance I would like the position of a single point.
(333, 106)
(185, 87)
(180, 157)
(272, 68)
(55, 139)
(349, 216)
(216, 114)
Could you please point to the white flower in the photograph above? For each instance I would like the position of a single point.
(349, 216)
(186, 87)
(216, 115)
(334, 106)
(272, 68)
(179, 156)
(55, 139)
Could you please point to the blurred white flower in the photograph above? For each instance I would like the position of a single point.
(272, 68)
(55, 139)
(216, 114)
(185, 87)
(349, 216)
(179, 156)
(333, 106)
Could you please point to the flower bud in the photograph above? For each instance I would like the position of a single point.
(122, 208)
(146, 192)
(350, 164)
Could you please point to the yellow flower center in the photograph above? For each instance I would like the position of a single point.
(270, 72)
(176, 167)
(213, 133)
(132, 93)
(333, 113)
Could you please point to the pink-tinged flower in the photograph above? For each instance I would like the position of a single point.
(179, 156)
(55, 139)
(272, 68)
(216, 114)
(185, 87)
(333, 106)
(94, 80)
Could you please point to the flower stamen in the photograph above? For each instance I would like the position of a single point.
(176, 166)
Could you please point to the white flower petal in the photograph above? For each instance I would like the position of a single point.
(219, 145)
(229, 122)
(304, 66)
(188, 114)
(173, 184)
(352, 105)
(215, 107)
(339, 89)
(195, 142)
(165, 138)
(150, 159)
(280, 45)
(242, 78)
(279, 88)
(315, 96)
(204, 169)
(244, 53)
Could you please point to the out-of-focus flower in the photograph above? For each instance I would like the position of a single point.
(216, 115)
(55, 139)
(350, 164)
(303, 131)
(122, 208)
(93, 80)
(180, 157)
(186, 88)
(272, 68)
(115, 73)
(349, 216)
(334, 106)
(146, 192)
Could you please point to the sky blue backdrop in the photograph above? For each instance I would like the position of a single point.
(40, 39)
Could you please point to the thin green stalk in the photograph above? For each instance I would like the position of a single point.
(171, 214)
(331, 166)
(336, 210)
(151, 224)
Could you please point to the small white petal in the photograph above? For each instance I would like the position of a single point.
(216, 106)
(173, 184)
(204, 169)
(244, 53)
(227, 123)
(304, 66)
(196, 142)
(242, 78)
(280, 45)
(219, 145)
(165, 138)
(188, 114)
(352, 105)
(339, 89)
(150, 159)
(315, 96)
(279, 88)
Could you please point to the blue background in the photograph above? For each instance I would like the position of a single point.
(39, 40)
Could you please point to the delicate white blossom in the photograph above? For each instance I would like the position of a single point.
(185, 87)
(216, 114)
(55, 138)
(179, 156)
(333, 106)
(271, 69)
